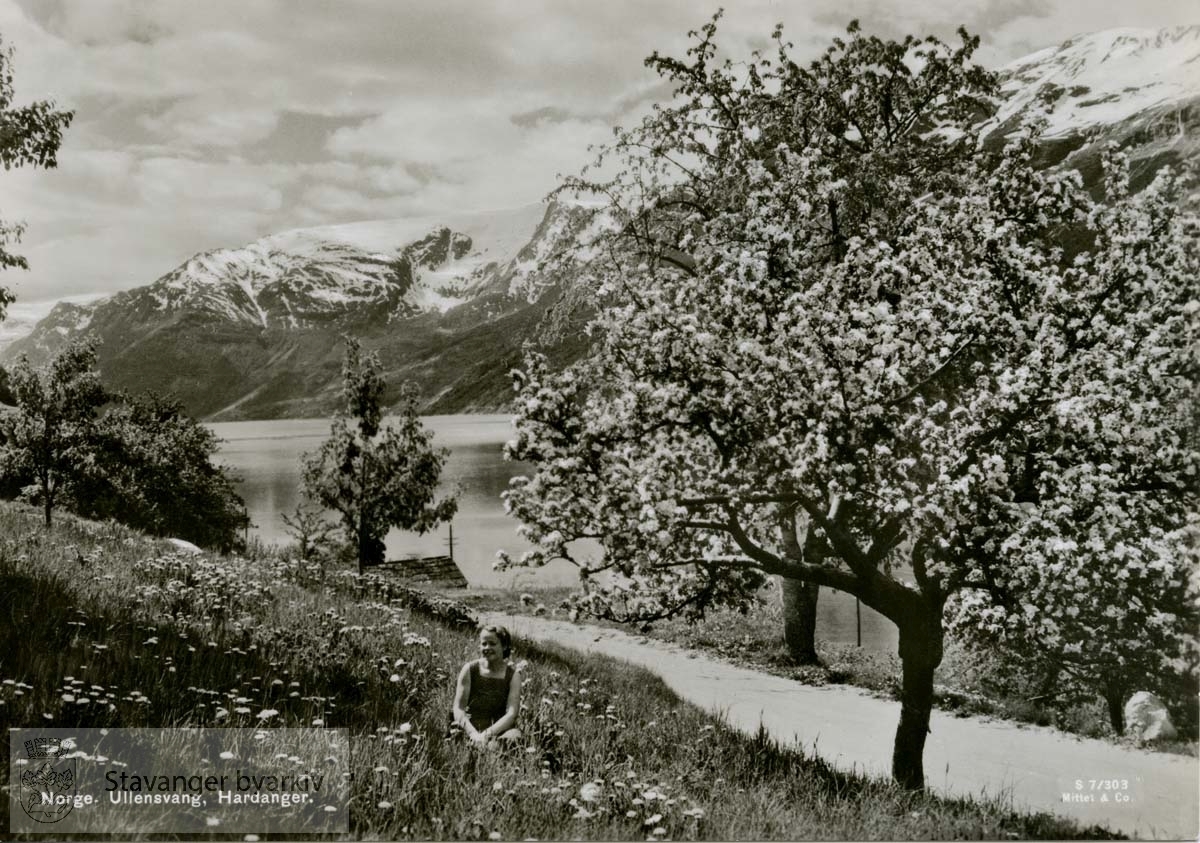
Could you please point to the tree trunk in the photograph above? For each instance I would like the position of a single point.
(920, 654)
(800, 598)
(1114, 696)
(800, 620)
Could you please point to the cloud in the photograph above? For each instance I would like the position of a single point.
(545, 114)
(211, 121)
(182, 185)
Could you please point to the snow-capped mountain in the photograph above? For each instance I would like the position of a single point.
(1137, 87)
(1105, 78)
(393, 269)
(375, 271)
(242, 331)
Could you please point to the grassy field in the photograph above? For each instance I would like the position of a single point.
(111, 629)
(966, 682)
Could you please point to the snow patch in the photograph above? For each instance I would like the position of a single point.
(1105, 78)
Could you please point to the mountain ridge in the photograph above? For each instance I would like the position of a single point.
(253, 331)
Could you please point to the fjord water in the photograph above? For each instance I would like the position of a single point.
(266, 457)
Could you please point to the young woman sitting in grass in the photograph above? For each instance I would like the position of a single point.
(488, 696)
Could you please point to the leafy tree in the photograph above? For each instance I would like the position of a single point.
(893, 383)
(30, 135)
(376, 477)
(46, 438)
(149, 465)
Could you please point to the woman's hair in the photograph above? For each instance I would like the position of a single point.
(504, 636)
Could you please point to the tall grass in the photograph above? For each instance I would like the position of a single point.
(109, 628)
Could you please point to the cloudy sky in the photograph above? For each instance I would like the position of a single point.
(208, 124)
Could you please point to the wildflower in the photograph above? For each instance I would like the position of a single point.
(227, 755)
(654, 820)
(582, 814)
(495, 835)
(385, 806)
(212, 821)
(267, 714)
(317, 721)
(590, 792)
(251, 838)
(405, 728)
(395, 677)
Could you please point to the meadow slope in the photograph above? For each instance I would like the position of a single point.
(114, 629)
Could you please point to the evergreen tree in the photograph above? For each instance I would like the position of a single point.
(376, 476)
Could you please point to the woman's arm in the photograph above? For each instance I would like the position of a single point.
(462, 693)
(510, 713)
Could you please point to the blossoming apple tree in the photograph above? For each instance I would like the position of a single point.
(820, 352)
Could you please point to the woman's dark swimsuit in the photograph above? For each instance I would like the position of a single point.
(489, 697)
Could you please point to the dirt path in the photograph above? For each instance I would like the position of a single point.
(963, 755)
